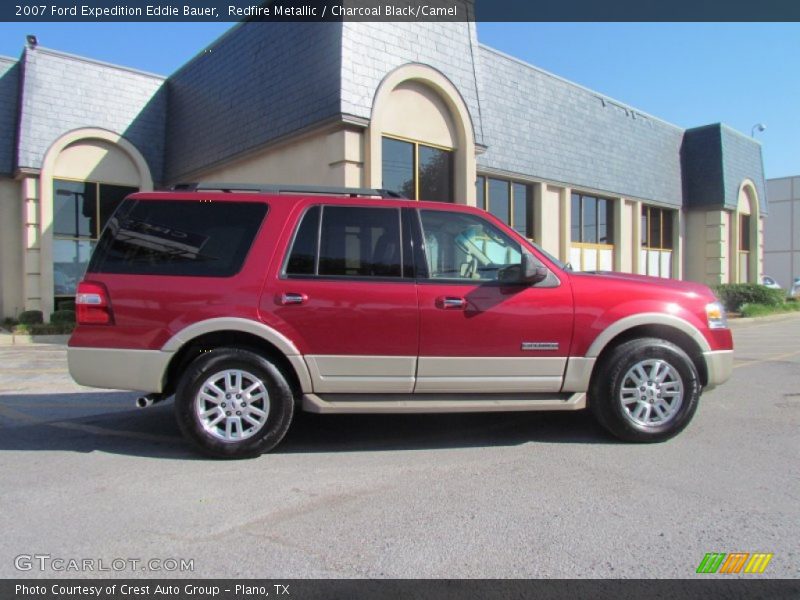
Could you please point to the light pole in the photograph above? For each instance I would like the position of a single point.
(758, 127)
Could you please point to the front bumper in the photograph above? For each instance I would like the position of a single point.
(719, 364)
(140, 370)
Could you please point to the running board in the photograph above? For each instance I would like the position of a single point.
(439, 403)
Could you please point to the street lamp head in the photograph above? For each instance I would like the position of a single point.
(758, 127)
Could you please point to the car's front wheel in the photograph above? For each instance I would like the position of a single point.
(233, 403)
(645, 390)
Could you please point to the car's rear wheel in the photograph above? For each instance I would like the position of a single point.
(233, 403)
(645, 390)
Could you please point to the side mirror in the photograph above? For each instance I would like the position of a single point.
(528, 272)
(532, 271)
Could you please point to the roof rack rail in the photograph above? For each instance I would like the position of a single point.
(285, 189)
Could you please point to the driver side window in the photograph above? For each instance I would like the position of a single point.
(462, 246)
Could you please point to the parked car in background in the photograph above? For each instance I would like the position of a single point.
(769, 282)
(795, 291)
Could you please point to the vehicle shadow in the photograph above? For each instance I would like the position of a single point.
(107, 422)
(312, 433)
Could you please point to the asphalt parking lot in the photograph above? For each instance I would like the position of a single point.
(84, 475)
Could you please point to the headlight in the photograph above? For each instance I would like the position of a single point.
(715, 313)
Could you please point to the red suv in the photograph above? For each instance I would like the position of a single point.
(248, 304)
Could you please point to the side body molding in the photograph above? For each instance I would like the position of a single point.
(277, 339)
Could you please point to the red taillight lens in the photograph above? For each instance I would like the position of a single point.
(92, 306)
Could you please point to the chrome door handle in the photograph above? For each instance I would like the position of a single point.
(292, 298)
(451, 303)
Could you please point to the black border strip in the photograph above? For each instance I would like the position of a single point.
(732, 588)
(399, 10)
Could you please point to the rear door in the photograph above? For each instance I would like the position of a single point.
(476, 334)
(347, 297)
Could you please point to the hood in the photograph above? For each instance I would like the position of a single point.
(660, 282)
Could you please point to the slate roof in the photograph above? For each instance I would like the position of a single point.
(9, 96)
(261, 82)
(62, 92)
(257, 83)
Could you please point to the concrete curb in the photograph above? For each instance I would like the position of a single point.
(742, 321)
(13, 339)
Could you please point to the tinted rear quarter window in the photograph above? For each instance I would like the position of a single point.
(178, 237)
(302, 260)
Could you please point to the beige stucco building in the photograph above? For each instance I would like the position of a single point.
(423, 109)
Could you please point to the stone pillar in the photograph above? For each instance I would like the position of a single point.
(547, 217)
(678, 235)
(564, 223)
(345, 154)
(636, 236)
(623, 244)
(540, 229)
(717, 255)
(31, 245)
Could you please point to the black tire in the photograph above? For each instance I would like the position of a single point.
(605, 394)
(279, 410)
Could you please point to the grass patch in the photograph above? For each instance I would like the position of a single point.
(763, 310)
(44, 329)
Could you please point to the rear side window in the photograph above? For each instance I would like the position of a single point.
(302, 260)
(189, 238)
(347, 241)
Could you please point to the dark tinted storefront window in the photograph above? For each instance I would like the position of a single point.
(592, 220)
(589, 220)
(81, 210)
(75, 209)
(398, 167)
(521, 202)
(417, 171)
(657, 228)
(435, 174)
(480, 192)
(744, 233)
(499, 199)
(508, 200)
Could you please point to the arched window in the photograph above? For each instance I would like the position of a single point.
(85, 174)
(744, 238)
(80, 211)
(420, 139)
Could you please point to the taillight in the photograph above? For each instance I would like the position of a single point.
(92, 305)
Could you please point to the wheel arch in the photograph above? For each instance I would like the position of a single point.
(669, 332)
(235, 333)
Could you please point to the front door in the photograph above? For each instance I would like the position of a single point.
(347, 301)
(478, 335)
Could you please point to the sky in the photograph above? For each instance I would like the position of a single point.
(689, 74)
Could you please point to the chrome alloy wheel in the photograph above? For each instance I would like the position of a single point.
(651, 393)
(232, 405)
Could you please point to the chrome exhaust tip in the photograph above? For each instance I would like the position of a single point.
(144, 402)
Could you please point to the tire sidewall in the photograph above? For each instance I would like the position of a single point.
(281, 402)
(626, 356)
